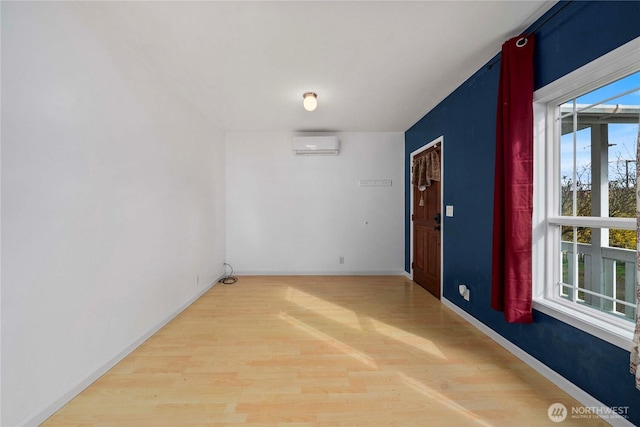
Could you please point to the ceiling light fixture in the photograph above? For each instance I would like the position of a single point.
(310, 101)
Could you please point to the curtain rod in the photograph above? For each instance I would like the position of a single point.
(536, 28)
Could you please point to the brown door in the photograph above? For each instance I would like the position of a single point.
(426, 234)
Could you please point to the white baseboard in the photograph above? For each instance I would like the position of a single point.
(318, 273)
(567, 386)
(41, 415)
(407, 275)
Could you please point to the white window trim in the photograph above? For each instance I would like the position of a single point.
(616, 64)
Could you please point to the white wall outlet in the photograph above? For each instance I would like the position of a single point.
(341, 260)
(464, 292)
(197, 280)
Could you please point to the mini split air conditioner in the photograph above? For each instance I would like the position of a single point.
(316, 145)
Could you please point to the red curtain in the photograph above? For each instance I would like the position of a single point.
(513, 188)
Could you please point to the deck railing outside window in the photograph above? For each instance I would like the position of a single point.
(603, 278)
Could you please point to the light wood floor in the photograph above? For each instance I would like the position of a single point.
(318, 351)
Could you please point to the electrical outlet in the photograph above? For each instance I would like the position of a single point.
(464, 292)
(341, 261)
(197, 280)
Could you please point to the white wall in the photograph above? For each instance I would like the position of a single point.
(298, 214)
(112, 204)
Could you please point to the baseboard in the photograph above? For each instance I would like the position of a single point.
(565, 385)
(318, 273)
(407, 275)
(41, 415)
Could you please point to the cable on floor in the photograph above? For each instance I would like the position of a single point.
(228, 279)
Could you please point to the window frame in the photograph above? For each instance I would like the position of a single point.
(606, 69)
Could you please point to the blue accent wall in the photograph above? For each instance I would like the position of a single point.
(578, 34)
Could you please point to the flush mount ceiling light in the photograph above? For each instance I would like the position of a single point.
(310, 101)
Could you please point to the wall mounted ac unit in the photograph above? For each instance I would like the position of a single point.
(316, 145)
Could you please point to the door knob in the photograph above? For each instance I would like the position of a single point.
(437, 218)
(436, 227)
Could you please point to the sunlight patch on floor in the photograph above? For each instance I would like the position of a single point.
(407, 338)
(433, 394)
(338, 345)
(323, 307)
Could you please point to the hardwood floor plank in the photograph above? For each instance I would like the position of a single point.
(318, 351)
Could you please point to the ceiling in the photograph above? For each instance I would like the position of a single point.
(375, 65)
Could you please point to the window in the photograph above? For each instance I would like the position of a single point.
(585, 244)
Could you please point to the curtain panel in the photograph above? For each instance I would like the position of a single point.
(513, 186)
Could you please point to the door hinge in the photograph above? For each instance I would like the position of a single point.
(411, 217)
(411, 265)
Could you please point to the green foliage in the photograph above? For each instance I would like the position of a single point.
(622, 204)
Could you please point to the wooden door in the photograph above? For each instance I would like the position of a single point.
(426, 234)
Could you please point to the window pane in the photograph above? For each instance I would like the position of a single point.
(622, 253)
(576, 268)
(622, 168)
(599, 265)
(575, 173)
(598, 138)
